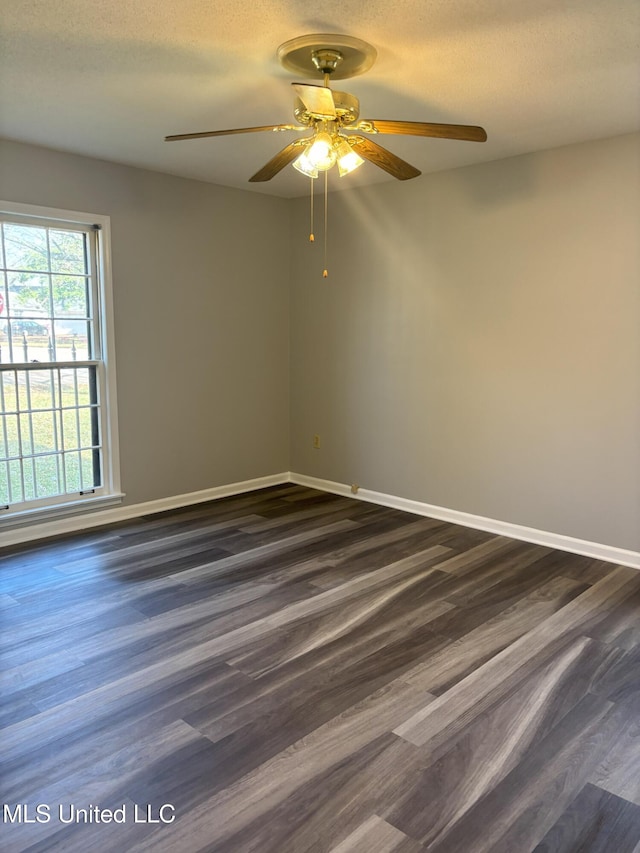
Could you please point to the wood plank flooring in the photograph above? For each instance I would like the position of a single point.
(288, 671)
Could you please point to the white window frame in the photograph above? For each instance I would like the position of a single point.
(109, 493)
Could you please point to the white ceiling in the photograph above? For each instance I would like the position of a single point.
(111, 78)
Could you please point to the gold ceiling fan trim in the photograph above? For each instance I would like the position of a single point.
(305, 55)
(333, 119)
(345, 106)
(333, 116)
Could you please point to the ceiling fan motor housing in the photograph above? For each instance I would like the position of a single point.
(347, 110)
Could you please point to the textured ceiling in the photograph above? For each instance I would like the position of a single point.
(111, 78)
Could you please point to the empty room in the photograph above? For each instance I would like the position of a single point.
(320, 427)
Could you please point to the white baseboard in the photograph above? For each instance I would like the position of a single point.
(609, 553)
(84, 520)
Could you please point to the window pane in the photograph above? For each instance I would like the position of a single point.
(5, 498)
(75, 387)
(67, 386)
(5, 352)
(72, 340)
(67, 250)
(72, 471)
(9, 445)
(88, 436)
(24, 391)
(70, 429)
(4, 308)
(82, 375)
(26, 443)
(25, 247)
(16, 494)
(42, 389)
(28, 468)
(8, 396)
(27, 347)
(47, 476)
(70, 297)
(90, 470)
(51, 383)
(44, 435)
(29, 296)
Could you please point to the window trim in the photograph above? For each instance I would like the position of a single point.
(106, 366)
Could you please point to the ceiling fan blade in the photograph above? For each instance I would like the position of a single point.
(208, 133)
(468, 132)
(282, 159)
(378, 155)
(317, 99)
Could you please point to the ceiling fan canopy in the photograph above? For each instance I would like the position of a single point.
(334, 117)
(328, 53)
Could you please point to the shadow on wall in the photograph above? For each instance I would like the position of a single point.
(497, 183)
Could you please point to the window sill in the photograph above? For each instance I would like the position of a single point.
(53, 513)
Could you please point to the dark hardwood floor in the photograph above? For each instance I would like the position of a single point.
(289, 671)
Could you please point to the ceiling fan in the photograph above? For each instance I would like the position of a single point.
(334, 117)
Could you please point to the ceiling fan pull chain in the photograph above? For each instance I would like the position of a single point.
(326, 203)
(311, 237)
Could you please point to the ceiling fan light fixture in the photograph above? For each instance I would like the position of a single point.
(304, 165)
(321, 153)
(348, 160)
(326, 113)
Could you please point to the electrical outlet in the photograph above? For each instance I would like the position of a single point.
(316, 442)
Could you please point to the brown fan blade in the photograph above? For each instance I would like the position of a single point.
(282, 159)
(317, 99)
(470, 133)
(384, 159)
(207, 133)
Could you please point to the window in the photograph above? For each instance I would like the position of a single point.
(58, 443)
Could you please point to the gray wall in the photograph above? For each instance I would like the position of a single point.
(477, 345)
(201, 317)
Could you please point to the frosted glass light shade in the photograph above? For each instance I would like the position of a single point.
(304, 165)
(347, 158)
(321, 153)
